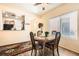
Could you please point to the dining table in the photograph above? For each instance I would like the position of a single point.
(44, 40)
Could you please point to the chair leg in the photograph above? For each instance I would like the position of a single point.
(40, 52)
(35, 52)
(57, 51)
(31, 52)
(53, 50)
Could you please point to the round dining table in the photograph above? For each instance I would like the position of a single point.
(43, 40)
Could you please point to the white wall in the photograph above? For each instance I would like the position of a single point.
(1, 22)
(54, 24)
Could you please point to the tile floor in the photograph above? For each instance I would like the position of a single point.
(63, 52)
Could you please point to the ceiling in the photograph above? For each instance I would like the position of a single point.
(35, 9)
(38, 9)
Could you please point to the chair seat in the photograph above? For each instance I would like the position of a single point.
(51, 42)
(38, 46)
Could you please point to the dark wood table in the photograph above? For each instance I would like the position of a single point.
(44, 40)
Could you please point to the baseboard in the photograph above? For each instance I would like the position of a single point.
(69, 50)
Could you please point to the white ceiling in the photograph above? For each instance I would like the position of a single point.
(35, 9)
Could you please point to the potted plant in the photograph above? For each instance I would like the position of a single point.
(46, 34)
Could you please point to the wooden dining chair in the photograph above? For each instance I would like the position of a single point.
(35, 46)
(53, 44)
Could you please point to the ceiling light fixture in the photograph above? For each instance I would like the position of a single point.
(42, 4)
(43, 8)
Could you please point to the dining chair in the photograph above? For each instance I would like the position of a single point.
(53, 44)
(35, 46)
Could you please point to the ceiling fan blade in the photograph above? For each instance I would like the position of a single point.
(37, 4)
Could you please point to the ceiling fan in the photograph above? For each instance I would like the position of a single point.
(43, 7)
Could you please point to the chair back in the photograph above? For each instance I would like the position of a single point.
(32, 40)
(57, 38)
(54, 32)
(39, 33)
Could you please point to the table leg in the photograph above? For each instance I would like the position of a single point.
(43, 48)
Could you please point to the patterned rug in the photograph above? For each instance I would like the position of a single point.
(15, 49)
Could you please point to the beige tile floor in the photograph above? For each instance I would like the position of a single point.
(63, 52)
